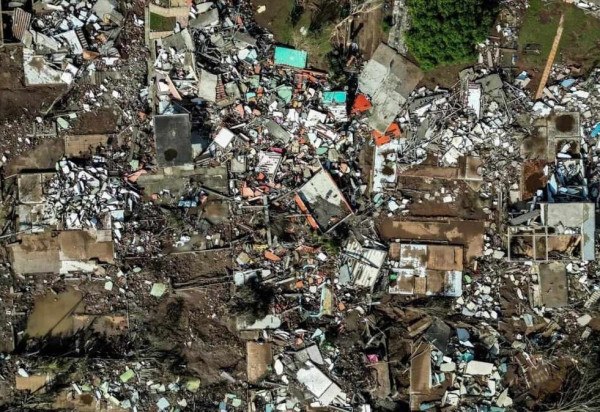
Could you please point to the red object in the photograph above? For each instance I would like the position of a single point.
(392, 132)
(311, 220)
(361, 104)
(272, 256)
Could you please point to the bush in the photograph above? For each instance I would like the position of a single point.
(446, 31)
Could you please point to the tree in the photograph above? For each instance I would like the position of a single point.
(446, 31)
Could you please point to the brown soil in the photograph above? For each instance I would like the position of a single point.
(275, 10)
(468, 205)
(15, 98)
(469, 234)
(103, 121)
(41, 157)
(370, 33)
(443, 76)
(202, 330)
(564, 123)
(187, 266)
(534, 146)
(51, 314)
(533, 177)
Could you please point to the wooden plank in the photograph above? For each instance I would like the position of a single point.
(551, 58)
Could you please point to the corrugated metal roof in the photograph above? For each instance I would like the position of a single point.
(366, 264)
(21, 22)
(290, 57)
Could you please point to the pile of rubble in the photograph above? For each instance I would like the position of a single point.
(361, 247)
(85, 197)
(62, 39)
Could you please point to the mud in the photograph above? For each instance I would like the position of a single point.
(15, 98)
(564, 123)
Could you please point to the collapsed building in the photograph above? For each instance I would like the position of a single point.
(294, 243)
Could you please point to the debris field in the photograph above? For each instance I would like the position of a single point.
(194, 217)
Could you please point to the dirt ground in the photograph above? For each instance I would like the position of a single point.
(370, 33)
(467, 206)
(366, 28)
(578, 45)
(43, 156)
(533, 177)
(15, 98)
(200, 328)
(188, 266)
(443, 76)
(102, 121)
(275, 15)
(51, 314)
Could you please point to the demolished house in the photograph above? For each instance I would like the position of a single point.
(363, 265)
(280, 240)
(58, 45)
(559, 231)
(426, 269)
(323, 202)
(388, 78)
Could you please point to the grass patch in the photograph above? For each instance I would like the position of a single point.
(285, 20)
(386, 24)
(445, 75)
(317, 45)
(161, 23)
(580, 40)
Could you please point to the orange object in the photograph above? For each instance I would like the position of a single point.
(311, 220)
(248, 192)
(271, 256)
(299, 284)
(240, 110)
(361, 104)
(90, 55)
(341, 306)
(392, 132)
(136, 175)
(380, 139)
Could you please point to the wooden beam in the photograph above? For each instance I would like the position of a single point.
(550, 60)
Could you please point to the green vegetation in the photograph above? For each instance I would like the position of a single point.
(306, 26)
(579, 43)
(161, 23)
(386, 24)
(446, 31)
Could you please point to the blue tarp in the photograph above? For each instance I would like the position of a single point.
(334, 98)
(596, 130)
(290, 57)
